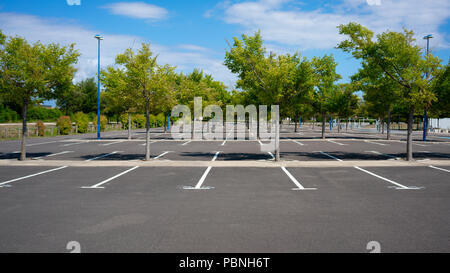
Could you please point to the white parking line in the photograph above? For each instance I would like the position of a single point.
(102, 156)
(420, 145)
(378, 153)
(42, 143)
(399, 186)
(445, 170)
(223, 143)
(112, 143)
(336, 142)
(55, 154)
(144, 144)
(371, 142)
(299, 143)
(273, 157)
(71, 144)
(98, 186)
(328, 155)
(163, 154)
(31, 175)
(186, 143)
(202, 179)
(260, 143)
(215, 156)
(299, 186)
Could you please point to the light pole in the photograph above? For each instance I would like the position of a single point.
(99, 38)
(425, 118)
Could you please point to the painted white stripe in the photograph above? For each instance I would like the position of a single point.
(299, 186)
(371, 142)
(71, 144)
(420, 145)
(145, 144)
(202, 179)
(378, 153)
(336, 142)
(98, 186)
(112, 143)
(163, 154)
(260, 143)
(186, 143)
(223, 143)
(329, 155)
(42, 143)
(50, 155)
(299, 143)
(205, 174)
(102, 156)
(215, 156)
(387, 180)
(31, 175)
(445, 170)
(273, 157)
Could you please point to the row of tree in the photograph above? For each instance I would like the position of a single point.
(395, 77)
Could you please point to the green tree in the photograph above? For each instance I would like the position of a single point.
(401, 60)
(380, 92)
(268, 78)
(118, 96)
(139, 69)
(325, 77)
(344, 103)
(441, 87)
(34, 72)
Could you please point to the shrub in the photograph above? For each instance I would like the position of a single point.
(139, 120)
(152, 119)
(40, 127)
(82, 121)
(64, 125)
(123, 118)
(160, 120)
(8, 115)
(103, 122)
(41, 113)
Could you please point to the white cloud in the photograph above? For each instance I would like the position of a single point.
(73, 2)
(185, 57)
(316, 29)
(139, 10)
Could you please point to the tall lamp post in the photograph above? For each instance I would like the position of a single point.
(99, 38)
(425, 118)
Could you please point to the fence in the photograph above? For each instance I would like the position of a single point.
(14, 132)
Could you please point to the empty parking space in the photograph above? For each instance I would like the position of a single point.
(193, 205)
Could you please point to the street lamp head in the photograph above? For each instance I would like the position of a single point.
(429, 36)
(98, 37)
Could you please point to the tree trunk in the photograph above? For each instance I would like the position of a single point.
(147, 131)
(409, 151)
(165, 123)
(346, 126)
(257, 122)
(277, 138)
(339, 125)
(323, 125)
(295, 126)
(129, 125)
(23, 152)
(382, 126)
(388, 137)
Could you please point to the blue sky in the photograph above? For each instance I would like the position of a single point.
(190, 34)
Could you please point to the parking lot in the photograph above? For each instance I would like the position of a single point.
(332, 195)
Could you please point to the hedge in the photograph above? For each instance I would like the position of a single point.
(64, 124)
(82, 121)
